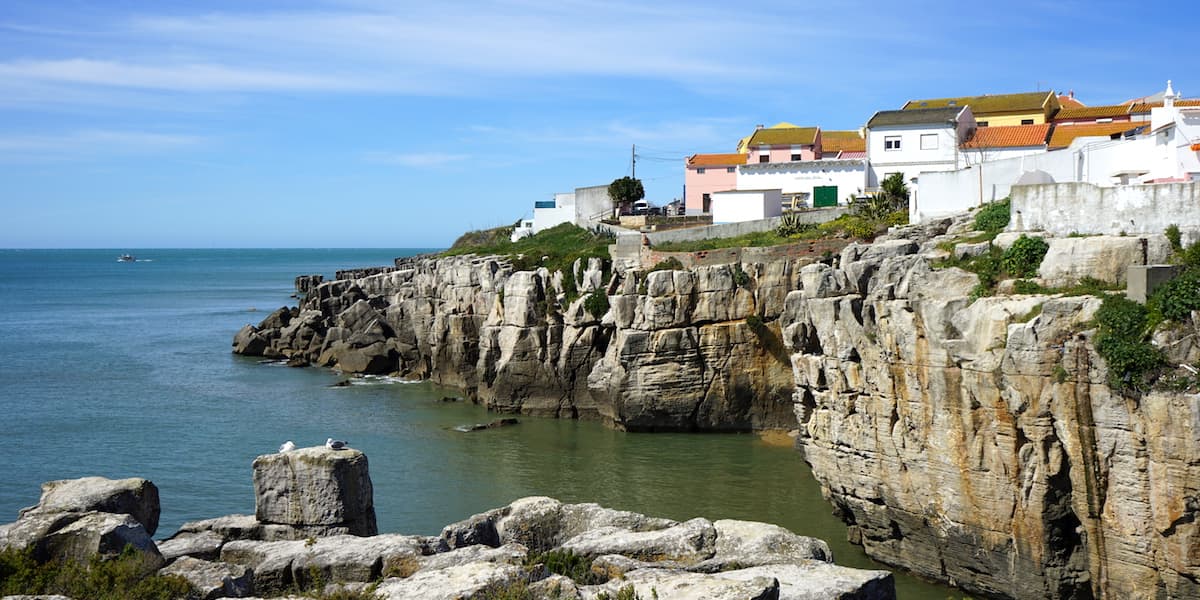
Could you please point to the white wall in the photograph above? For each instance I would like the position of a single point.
(749, 205)
(1065, 208)
(592, 204)
(910, 159)
(802, 177)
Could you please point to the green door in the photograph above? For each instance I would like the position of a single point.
(824, 195)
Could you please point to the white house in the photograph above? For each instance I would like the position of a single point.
(584, 207)
(1176, 132)
(798, 180)
(916, 141)
(745, 205)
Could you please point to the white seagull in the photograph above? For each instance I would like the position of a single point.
(333, 444)
(287, 446)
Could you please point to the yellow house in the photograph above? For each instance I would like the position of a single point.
(1029, 108)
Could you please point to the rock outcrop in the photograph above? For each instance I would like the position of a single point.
(676, 351)
(977, 442)
(315, 491)
(509, 552)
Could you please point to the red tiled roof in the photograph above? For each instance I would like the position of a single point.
(1065, 134)
(842, 141)
(716, 160)
(852, 154)
(1009, 136)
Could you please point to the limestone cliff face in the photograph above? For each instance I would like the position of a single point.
(978, 443)
(675, 352)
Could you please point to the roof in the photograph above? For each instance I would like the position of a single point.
(1070, 101)
(919, 116)
(1092, 112)
(716, 160)
(988, 104)
(784, 136)
(842, 141)
(1009, 136)
(1141, 108)
(1065, 134)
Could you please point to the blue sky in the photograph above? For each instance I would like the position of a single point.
(362, 123)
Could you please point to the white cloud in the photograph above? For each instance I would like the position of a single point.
(176, 77)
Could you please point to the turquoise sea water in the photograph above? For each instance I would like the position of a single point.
(124, 369)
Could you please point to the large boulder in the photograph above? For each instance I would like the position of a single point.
(686, 543)
(97, 534)
(281, 565)
(821, 581)
(749, 544)
(134, 496)
(452, 583)
(315, 487)
(682, 585)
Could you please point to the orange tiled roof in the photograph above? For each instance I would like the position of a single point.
(1009, 136)
(1144, 107)
(1092, 112)
(716, 160)
(1065, 134)
(842, 141)
(1066, 102)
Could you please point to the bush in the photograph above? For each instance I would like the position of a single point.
(127, 577)
(790, 225)
(1023, 258)
(994, 216)
(670, 263)
(740, 277)
(1177, 298)
(1174, 236)
(596, 303)
(1121, 340)
(568, 564)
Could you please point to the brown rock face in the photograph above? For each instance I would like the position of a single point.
(978, 443)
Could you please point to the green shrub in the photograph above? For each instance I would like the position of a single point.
(626, 593)
(513, 590)
(127, 577)
(740, 277)
(899, 217)
(670, 263)
(755, 322)
(790, 225)
(1176, 299)
(994, 216)
(1174, 236)
(1023, 258)
(568, 564)
(596, 303)
(1121, 340)
(1024, 286)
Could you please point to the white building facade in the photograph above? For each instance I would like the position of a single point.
(916, 141)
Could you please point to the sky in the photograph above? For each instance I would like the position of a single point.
(371, 123)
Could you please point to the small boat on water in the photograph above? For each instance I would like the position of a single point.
(126, 258)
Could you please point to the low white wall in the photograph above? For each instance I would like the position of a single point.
(726, 230)
(545, 218)
(1065, 208)
(734, 207)
(801, 177)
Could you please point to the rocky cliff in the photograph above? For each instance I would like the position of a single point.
(977, 442)
(675, 352)
(972, 441)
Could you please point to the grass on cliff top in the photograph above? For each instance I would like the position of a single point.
(560, 245)
(849, 226)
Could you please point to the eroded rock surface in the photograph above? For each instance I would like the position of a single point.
(329, 490)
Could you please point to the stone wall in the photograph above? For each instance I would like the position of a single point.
(1064, 208)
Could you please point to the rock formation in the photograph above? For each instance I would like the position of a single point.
(511, 546)
(977, 442)
(315, 491)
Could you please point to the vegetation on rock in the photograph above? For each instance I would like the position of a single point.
(994, 216)
(1023, 258)
(126, 577)
(555, 248)
(596, 303)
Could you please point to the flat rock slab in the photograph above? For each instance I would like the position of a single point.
(213, 579)
(452, 583)
(689, 542)
(280, 565)
(822, 581)
(315, 487)
(683, 585)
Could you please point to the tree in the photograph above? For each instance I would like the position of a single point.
(625, 191)
(892, 196)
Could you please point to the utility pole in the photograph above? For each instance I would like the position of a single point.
(633, 159)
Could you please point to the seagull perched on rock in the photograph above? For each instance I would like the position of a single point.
(333, 444)
(287, 446)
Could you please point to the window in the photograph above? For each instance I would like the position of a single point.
(929, 141)
(1027, 121)
(700, 171)
(707, 199)
(730, 169)
(764, 158)
(891, 142)
(982, 123)
(797, 157)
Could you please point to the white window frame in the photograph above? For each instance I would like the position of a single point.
(891, 142)
(929, 141)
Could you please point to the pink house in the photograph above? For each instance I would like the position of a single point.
(784, 144)
(706, 174)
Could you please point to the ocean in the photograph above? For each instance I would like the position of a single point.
(124, 369)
